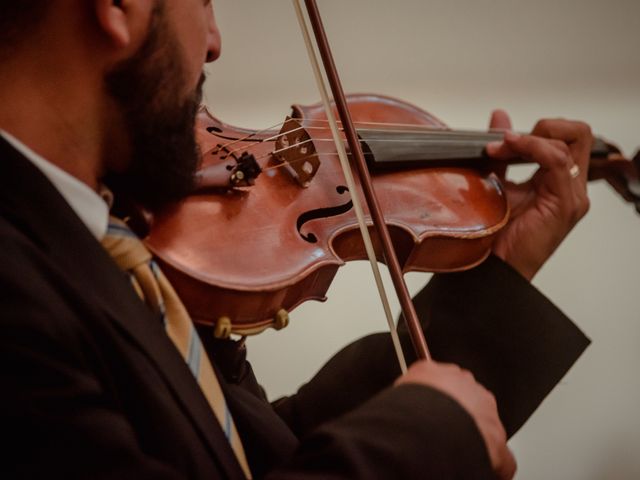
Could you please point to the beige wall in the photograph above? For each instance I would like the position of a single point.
(459, 59)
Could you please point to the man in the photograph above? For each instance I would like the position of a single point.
(97, 91)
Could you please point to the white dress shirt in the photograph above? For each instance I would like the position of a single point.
(86, 203)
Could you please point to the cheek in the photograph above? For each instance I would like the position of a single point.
(192, 32)
(197, 44)
(195, 55)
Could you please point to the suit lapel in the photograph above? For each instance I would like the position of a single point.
(28, 200)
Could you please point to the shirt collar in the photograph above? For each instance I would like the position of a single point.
(90, 207)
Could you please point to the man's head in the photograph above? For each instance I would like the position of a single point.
(18, 19)
(159, 121)
(157, 91)
(139, 66)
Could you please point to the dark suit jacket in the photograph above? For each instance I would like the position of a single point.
(93, 388)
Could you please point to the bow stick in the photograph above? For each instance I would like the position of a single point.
(408, 310)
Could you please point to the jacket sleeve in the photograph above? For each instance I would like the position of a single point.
(492, 321)
(406, 432)
(489, 320)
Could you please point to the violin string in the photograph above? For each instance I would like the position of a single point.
(269, 154)
(312, 141)
(438, 132)
(274, 138)
(296, 160)
(274, 152)
(422, 129)
(248, 137)
(284, 163)
(412, 126)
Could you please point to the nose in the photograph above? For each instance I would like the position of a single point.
(214, 42)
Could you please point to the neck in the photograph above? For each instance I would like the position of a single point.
(47, 106)
(407, 146)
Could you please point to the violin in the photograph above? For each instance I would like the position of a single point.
(272, 220)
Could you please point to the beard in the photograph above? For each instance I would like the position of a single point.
(164, 154)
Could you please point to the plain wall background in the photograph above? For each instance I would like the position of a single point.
(459, 59)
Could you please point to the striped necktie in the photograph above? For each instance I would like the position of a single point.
(155, 290)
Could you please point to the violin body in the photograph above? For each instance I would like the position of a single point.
(242, 258)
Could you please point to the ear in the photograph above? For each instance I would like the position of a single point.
(122, 20)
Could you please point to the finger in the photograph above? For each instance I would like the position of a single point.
(506, 469)
(579, 139)
(548, 153)
(577, 135)
(555, 159)
(500, 150)
(500, 120)
(569, 131)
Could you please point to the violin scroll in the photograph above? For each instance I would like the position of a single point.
(621, 173)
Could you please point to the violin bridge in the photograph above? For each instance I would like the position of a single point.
(296, 151)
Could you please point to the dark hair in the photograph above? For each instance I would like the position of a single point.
(20, 18)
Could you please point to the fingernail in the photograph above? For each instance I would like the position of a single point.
(510, 136)
(493, 147)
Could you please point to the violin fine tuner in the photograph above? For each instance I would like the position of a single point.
(245, 172)
(222, 176)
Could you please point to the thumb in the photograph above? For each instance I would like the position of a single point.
(507, 468)
(499, 120)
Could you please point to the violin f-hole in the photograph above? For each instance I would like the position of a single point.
(323, 213)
